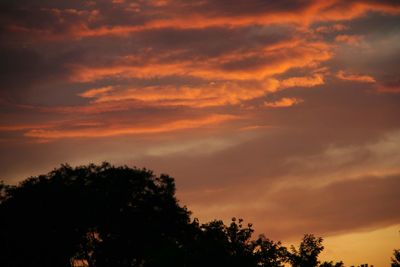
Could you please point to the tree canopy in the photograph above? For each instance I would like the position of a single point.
(102, 216)
(110, 216)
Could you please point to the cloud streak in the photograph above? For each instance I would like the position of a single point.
(355, 77)
(116, 130)
(281, 103)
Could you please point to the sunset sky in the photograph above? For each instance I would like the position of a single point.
(285, 113)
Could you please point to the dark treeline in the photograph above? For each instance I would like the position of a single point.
(108, 216)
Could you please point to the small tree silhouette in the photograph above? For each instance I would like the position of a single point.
(308, 252)
(268, 253)
(331, 264)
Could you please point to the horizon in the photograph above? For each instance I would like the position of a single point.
(284, 113)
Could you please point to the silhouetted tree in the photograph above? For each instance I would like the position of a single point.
(331, 264)
(220, 245)
(308, 252)
(3, 189)
(106, 216)
(268, 253)
(396, 258)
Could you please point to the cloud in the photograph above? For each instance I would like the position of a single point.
(313, 195)
(216, 94)
(389, 87)
(316, 79)
(282, 103)
(355, 40)
(355, 77)
(115, 19)
(256, 65)
(117, 130)
(331, 28)
(95, 92)
(338, 207)
(23, 68)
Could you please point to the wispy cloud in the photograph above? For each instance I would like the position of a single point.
(355, 77)
(282, 103)
(355, 40)
(117, 130)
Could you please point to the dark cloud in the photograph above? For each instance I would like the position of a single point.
(26, 72)
(253, 7)
(367, 202)
(211, 42)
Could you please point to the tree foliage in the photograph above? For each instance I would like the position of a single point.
(307, 253)
(110, 216)
(268, 253)
(102, 216)
(396, 258)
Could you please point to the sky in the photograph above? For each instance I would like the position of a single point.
(285, 113)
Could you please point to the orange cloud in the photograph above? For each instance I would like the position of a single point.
(233, 78)
(158, 15)
(46, 125)
(214, 94)
(389, 87)
(96, 92)
(331, 28)
(335, 10)
(316, 79)
(283, 102)
(117, 130)
(88, 74)
(355, 40)
(355, 77)
(315, 11)
(253, 65)
(21, 127)
(92, 108)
